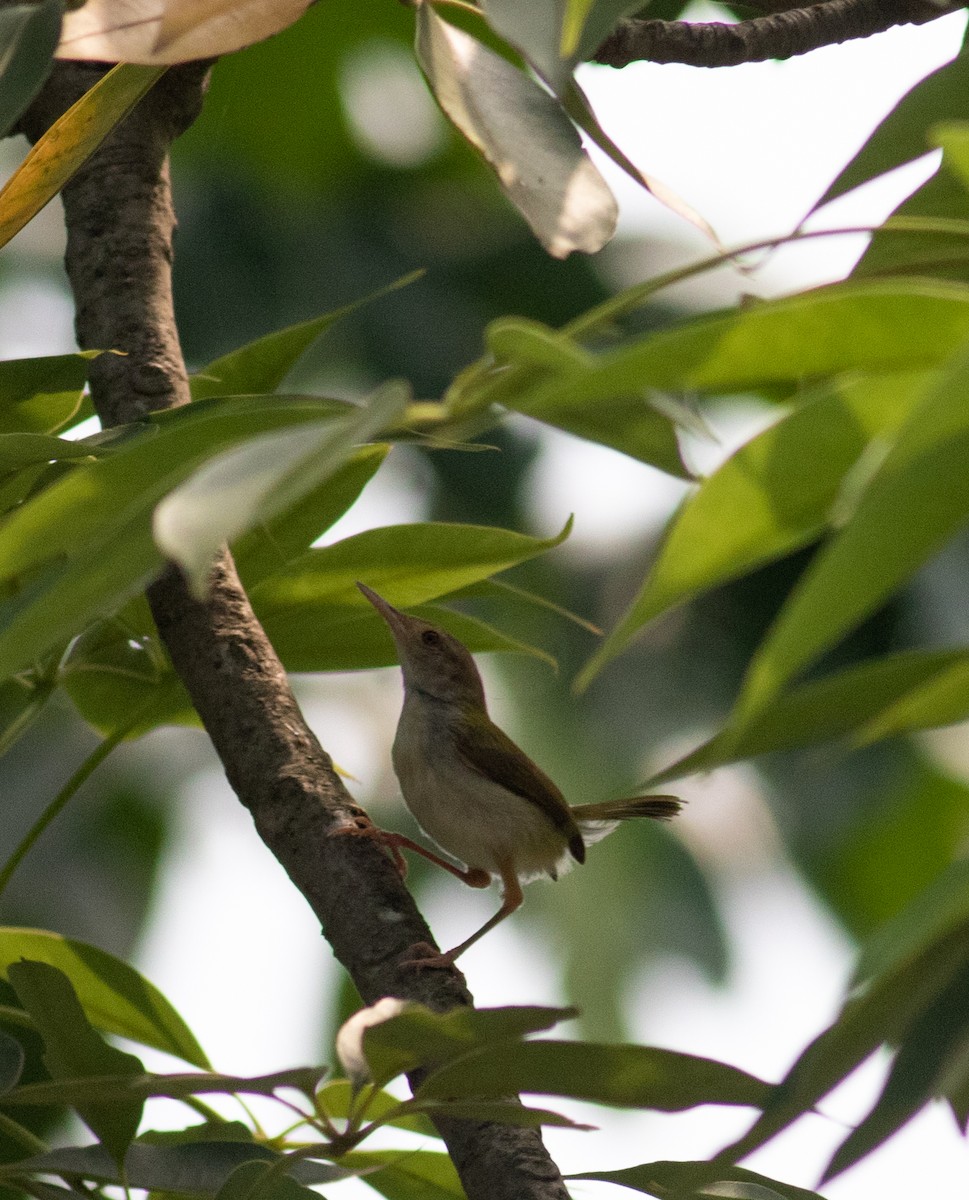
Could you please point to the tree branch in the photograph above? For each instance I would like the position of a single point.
(120, 224)
(781, 35)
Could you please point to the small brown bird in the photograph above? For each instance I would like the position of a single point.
(471, 789)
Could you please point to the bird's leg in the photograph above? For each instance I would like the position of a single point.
(362, 826)
(511, 899)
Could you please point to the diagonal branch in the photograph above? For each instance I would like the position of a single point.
(783, 34)
(120, 224)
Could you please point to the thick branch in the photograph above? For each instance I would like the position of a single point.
(120, 226)
(780, 35)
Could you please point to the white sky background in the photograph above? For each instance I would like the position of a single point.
(238, 951)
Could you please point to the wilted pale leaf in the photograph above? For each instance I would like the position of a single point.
(523, 133)
(158, 32)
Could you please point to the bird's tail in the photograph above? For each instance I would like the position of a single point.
(660, 808)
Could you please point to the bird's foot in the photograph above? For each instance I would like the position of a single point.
(360, 825)
(423, 954)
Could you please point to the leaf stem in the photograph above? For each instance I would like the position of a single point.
(80, 776)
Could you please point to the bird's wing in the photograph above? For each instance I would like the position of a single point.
(497, 757)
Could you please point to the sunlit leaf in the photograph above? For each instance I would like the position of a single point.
(146, 31)
(522, 133)
(41, 395)
(912, 505)
(261, 479)
(408, 1174)
(69, 142)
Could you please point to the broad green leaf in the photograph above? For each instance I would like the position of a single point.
(407, 1174)
(41, 395)
(942, 699)
(522, 133)
(74, 1050)
(119, 1089)
(509, 1112)
(262, 365)
(28, 35)
(69, 142)
(819, 711)
(260, 479)
(877, 326)
(627, 422)
(83, 546)
(12, 1059)
(194, 1169)
(629, 1076)
(273, 544)
(953, 137)
(261, 1181)
(686, 1180)
(916, 500)
(394, 1036)
(904, 134)
(115, 997)
(406, 564)
(313, 635)
(774, 495)
(19, 450)
(142, 31)
(113, 672)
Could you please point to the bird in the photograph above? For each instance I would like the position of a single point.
(472, 790)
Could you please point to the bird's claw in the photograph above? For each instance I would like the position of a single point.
(360, 825)
(426, 956)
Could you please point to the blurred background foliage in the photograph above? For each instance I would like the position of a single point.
(318, 172)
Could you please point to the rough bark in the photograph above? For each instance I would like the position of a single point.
(120, 225)
(787, 32)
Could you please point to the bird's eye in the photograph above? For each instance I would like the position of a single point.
(431, 637)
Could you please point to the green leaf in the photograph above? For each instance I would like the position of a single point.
(407, 564)
(73, 1048)
(22, 700)
(262, 365)
(904, 134)
(194, 1169)
(880, 1013)
(686, 1180)
(819, 711)
(261, 1181)
(313, 635)
(934, 1045)
(113, 672)
(115, 997)
(778, 492)
(395, 1036)
(953, 137)
(912, 505)
(273, 544)
(120, 1089)
(878, 326)
(587, 22)
(81, 547)
(12, 1059)
(41, 395)
(261, 479)
(338, 1097)
(522, 133)
(629, 1076)
(408, 1174)
(19, 450)
(28, 37)
(69, 142)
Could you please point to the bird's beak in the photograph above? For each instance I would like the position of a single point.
(399, 622)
